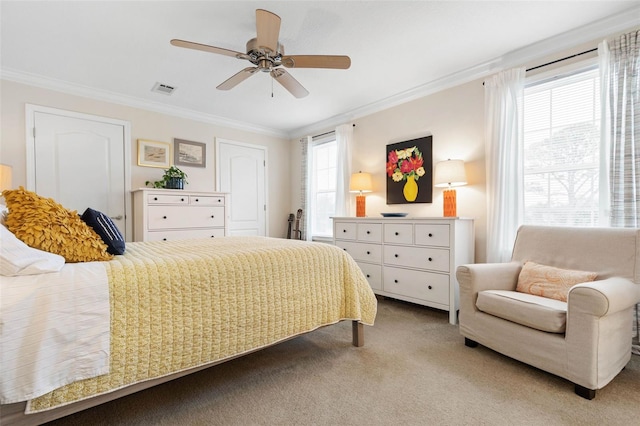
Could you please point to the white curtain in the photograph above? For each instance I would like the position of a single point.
(504, 94)
(304, 187)
(344, 142)
(620, 61)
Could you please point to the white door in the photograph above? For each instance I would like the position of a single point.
(80, 161)
(241, 171)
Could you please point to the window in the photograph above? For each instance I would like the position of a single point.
(562, 148)
(322, 191)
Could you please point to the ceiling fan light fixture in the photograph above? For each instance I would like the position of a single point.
(267, 54)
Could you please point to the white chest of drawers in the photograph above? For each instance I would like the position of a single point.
(166, 214)
(412, 259)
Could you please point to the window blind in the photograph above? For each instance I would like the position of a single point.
(561, 149)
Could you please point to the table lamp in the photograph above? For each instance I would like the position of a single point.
(448, 174)
(360, 183)
(5, 177)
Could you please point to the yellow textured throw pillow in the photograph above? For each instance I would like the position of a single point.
(547, 281)
(46, 225)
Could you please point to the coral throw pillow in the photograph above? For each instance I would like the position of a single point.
(547, 281)
(43, 224)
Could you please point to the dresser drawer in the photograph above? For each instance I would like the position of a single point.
(199, 200)
(171, 217)
(345, 230)
(362, 251)
(432, 235)
(418, 284)
(373, 273)
(398, 233)
(417, 257)
(186, 234)
(167, 199)
(370, 232)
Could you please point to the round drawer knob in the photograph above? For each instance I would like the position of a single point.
(181, 199)
(430, 234)
(344, 230)
(219, 200)
(164, 239)
(395, 255)
(429, 287)
(368, 232)
(395, 281)
(368, 252)
(430, 259)
(155, 198)
(164, 217)
(197, 200)
(344, 249)
(397, 233)
(368, 276)
(212, 217)
(213, 236)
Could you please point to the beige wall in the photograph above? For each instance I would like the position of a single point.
(144, 125)
(454, 117)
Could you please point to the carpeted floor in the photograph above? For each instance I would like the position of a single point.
(413, 370)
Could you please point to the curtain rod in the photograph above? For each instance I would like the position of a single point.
(328, 133)
(562, 59)
(559, 60)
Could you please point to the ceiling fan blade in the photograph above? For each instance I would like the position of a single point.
(289, 83)
(207, 48)
(317, 61)
(267, 29)
(237, 78)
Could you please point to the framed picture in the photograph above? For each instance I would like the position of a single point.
(187, 153)
(410, 171)
(154, 154)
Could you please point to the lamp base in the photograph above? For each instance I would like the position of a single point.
(360, 205)
(450, 207)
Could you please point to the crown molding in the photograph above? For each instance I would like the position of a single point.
(596, 30)
(613, 24)
(130, 101)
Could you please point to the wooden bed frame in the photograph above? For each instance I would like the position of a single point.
(13, 414)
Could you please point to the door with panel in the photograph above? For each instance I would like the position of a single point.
(80, 161)
(241, 172)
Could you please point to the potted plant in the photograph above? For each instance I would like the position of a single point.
(173, 178)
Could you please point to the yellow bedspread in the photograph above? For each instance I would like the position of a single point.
(178, 305)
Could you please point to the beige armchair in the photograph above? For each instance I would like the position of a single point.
(587, 339)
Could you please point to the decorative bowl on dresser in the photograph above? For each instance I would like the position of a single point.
(411, 259)
(165, 214)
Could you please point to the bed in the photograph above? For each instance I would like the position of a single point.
(178, 307)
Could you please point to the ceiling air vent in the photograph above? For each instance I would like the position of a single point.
(165, 89)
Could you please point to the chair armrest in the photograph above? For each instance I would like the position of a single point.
(488, 276)
(603, 297)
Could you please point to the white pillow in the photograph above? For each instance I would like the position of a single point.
(17, 258)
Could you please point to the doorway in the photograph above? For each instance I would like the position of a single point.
(81, 161)
(241, 171)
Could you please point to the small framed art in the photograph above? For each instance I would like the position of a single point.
(187, 153)
(154, 154)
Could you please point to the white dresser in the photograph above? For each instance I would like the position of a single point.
(412, 259)
(169, 214)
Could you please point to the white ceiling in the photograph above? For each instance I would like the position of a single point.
(118, 50)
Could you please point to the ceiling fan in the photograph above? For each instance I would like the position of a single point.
(267, 54)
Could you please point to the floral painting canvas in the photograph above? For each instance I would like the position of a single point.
(410, 171)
